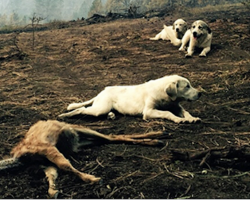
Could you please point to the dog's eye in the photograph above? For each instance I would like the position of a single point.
(200, 27)
(188, 86)
(193, 26)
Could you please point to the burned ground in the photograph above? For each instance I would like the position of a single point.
(75, 63)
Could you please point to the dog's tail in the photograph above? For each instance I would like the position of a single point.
(74, 106)
(10, 163)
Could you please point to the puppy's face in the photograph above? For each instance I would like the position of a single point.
(181, 89)
(200, 28)
(180, 26)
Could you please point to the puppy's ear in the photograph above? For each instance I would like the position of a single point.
(208, 30)
(185, 27)
(171, 91)
(173, 26)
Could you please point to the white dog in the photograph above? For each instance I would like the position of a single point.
(158, 98)
(173, 33)
(200, 35)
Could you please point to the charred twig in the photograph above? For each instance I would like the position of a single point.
(9, 163)
(205, 158)
(151, 177)
(212, 154)
(126, 176)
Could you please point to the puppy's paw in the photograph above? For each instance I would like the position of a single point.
(187, 121)
(194, 120)
(202, 55)
(111, 115)
(153, 39)
(197, 120)
(180, 120)
(188, 56)
(62, 115)
(72, 106)
(182, 49)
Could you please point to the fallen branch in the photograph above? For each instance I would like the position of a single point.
(231, 153)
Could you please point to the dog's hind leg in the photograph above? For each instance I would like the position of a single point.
(51, 175)
(157, 37)
(73, 106)
(97, 109)
(72, 113)
(60, 161)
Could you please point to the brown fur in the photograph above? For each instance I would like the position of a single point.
(43, 139)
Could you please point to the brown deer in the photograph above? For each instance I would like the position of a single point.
(53, 140)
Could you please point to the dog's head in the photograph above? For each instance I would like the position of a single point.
(200, 28)
(181, 89)
(180, 27)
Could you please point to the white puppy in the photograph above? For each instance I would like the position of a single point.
(173, 33)
(158, 98)
(200, 35)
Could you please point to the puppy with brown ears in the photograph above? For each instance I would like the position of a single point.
(200, 35)
(173, 33)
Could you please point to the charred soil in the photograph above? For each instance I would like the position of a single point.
(74, 63)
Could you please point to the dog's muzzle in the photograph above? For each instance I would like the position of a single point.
(196, 35)
(177, 30)
(196, 97)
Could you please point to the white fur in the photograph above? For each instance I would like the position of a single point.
(144, 99)
(173, 33)
(200, 36)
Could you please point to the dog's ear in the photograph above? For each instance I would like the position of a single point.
(173, 26)
(185, 27)
(171, 91)
(208, 30)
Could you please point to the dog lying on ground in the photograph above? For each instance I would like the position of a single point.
(53, 140)
(173, 33)
(158, 98)
(200, 35)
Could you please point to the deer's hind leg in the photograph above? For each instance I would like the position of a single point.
(61, 162)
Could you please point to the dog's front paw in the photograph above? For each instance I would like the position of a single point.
(188, 56)
(182, 49)
(194, 120)
(180, 120)
(202, 55)
(187, 120)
